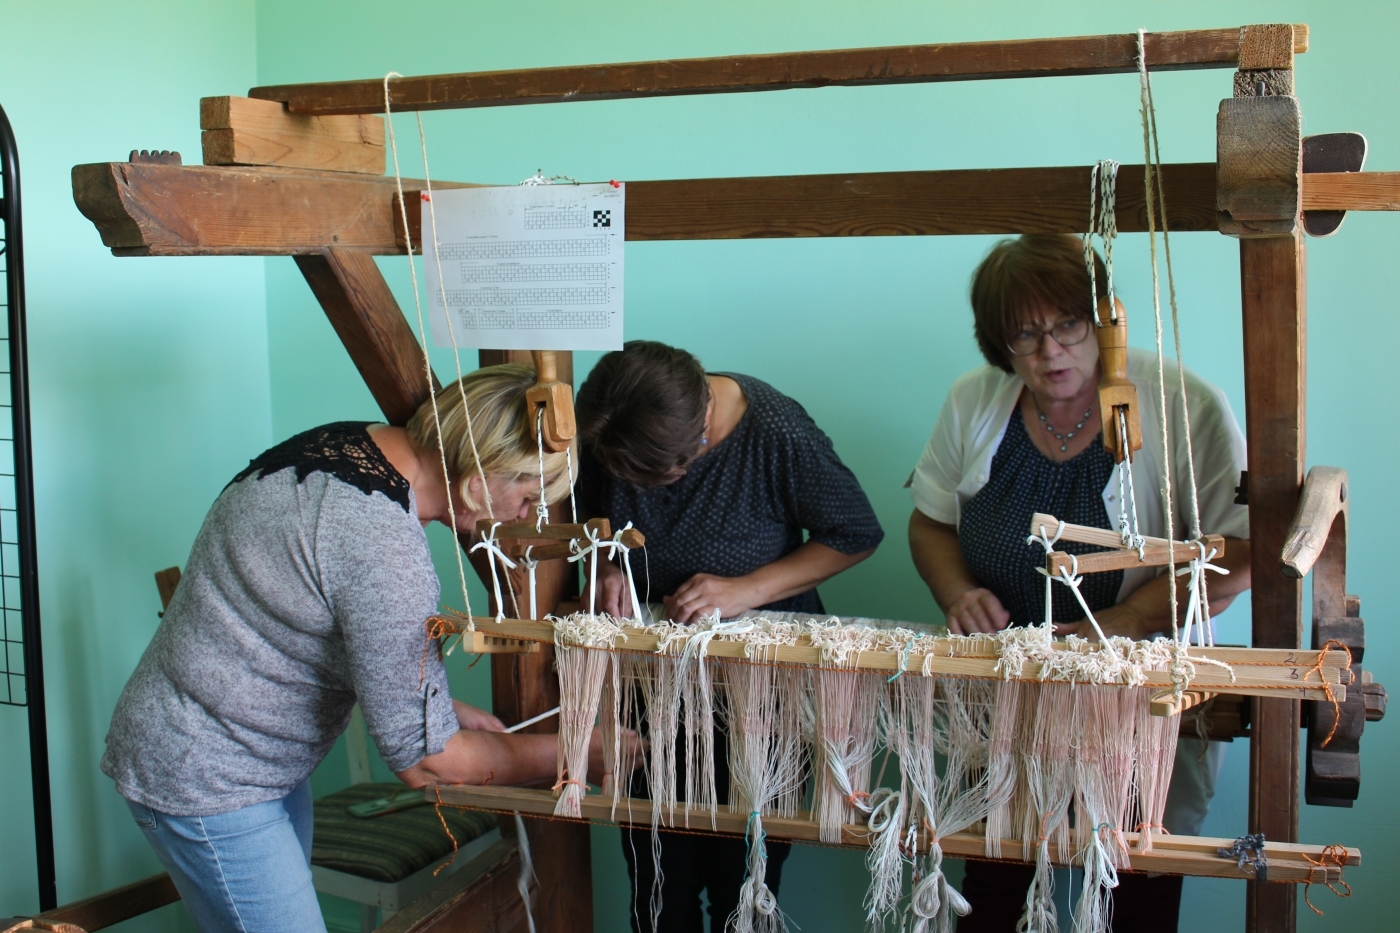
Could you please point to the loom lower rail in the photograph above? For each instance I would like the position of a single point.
(1197, 856)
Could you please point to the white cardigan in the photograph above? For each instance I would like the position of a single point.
(958, 459)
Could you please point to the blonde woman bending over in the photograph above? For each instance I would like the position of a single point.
(307, 591)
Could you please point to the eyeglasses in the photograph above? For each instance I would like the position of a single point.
(1067, 332)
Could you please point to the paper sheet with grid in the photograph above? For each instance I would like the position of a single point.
(527, 267)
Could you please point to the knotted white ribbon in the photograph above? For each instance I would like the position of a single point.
(493, 552)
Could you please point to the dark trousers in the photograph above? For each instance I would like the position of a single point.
(997, 893)
(691, 864)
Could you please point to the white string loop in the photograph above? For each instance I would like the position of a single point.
(493, 551)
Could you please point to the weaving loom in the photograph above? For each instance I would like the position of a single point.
(977, 723)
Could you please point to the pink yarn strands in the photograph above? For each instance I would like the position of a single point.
(1155, 742)
(847, 703)
(1105, 722)
(1049, 767)
(583, 662)
(763, 713)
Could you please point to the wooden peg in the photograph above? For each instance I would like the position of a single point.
(1116, 391)
(557, 399)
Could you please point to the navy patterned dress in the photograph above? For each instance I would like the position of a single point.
(995, 522)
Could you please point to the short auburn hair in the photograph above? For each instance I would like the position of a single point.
(1022, 275)
(641, 412)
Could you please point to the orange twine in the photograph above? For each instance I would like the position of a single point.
(855, 796)
(1327, 688)
(437, 808)
(567, 780)
(1332, 856)
(436, 627)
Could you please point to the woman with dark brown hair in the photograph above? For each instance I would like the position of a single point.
(727, 477)
(1023, 435)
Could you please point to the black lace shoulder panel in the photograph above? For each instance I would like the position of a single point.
(344, 450)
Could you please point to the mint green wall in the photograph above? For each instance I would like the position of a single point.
(150, 386)
(175, 371)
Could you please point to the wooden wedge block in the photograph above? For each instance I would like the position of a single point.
(243, 131)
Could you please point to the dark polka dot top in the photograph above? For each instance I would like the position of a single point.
(743, 504)
(995, 522)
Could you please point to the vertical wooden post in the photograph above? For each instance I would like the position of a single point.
(1259, 163)
(524, 685)
(1275, 341)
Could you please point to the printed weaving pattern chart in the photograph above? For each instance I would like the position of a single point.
(544, 219)
(12, 684)
(515, 297)
(542, 272)
(534, 267)
(512, 320)
(525, 249)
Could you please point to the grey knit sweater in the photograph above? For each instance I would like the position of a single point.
(307, 589)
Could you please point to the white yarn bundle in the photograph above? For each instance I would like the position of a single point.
(763, 716)
(582, 659)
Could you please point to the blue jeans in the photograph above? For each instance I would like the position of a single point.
(247, 871)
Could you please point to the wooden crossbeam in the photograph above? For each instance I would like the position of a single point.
(163, 210)
(911, 64)
(1278, 674)
(1156, 555)
(1179, 855)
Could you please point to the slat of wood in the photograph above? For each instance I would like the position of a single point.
(1084, 534)
(168, 210)
(1274, 288)
(166, 581)
(1191, 855)
(161, 210)
(1351, 191)
(1265, 675)
(1259, 153)
(937, 203)
(1123, 559)
(243, 131)
(362, 309)
(112, 907)
(1024, 58)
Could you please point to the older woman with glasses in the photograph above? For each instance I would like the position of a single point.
(1022, 435)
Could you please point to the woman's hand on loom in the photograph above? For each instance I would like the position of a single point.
(705, 593)
(977, 610)
(1122, 619)
(612, 596)
(470, 717)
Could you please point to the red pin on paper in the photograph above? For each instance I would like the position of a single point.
(424, 196)
(615, 184)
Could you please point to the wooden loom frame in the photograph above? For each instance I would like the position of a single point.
(334, 222)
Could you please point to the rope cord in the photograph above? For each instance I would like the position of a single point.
(423, 339)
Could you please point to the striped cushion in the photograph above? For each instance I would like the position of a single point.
(389, 847)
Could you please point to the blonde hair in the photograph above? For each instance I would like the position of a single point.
(504, 432)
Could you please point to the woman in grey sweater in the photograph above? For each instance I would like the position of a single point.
(306, 591)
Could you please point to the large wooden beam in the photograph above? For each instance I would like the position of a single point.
(910, 64)
(362, 309)
(1275, 341)
(164, 210)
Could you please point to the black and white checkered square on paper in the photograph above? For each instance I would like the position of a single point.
(602, 218)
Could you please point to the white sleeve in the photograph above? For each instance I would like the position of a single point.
(1218, 447)
(934, 486)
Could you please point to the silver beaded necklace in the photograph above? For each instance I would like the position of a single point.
(1064, 438)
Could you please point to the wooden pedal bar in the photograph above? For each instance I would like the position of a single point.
(1276, 673)
(1177, 855)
